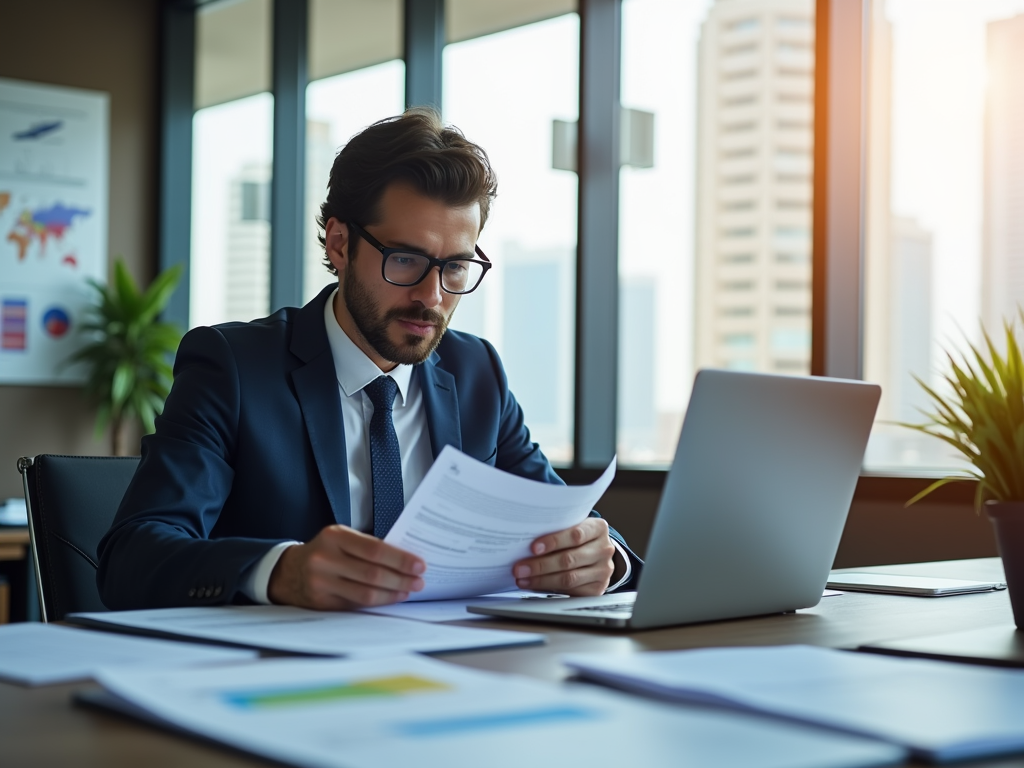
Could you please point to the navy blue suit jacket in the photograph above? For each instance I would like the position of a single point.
(250, 451)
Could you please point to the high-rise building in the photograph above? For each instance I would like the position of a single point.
(754, 185)
(637, 419)
(1003, 227)
(247, 286)
(538, 297)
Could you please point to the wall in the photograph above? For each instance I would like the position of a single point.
(103, 45)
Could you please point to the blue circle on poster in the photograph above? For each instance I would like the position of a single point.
(56, 322)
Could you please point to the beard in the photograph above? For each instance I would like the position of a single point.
(373, 325)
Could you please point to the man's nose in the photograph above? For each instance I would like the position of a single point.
(428, 292)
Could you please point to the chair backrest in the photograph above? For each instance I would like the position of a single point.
(71, 501)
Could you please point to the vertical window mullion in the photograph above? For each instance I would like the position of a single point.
(177, 106)
(839, 188)
(424, 44)
(287, 186)
(597, 278)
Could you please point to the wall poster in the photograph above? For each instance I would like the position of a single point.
(54, 145)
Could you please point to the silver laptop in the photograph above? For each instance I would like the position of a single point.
(753, 506)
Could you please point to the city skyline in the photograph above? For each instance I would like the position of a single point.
(936, 111)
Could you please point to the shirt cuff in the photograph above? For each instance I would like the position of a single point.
(629, 567)
(256, 578)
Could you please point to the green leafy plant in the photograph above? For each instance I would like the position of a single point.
(128, 362)
(983, 418)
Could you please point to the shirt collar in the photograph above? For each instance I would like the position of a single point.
(352, 367)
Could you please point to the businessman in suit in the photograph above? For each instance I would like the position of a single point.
(289, 445)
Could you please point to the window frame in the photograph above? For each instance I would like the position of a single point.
(837, 307)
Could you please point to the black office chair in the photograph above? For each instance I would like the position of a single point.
(71, 503)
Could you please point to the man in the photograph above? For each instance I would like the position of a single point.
(289, 445)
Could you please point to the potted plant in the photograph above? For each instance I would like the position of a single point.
(982, 417)
(129, 359)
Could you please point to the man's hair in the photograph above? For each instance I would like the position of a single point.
(415, 148)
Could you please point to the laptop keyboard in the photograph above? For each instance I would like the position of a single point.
(613, 608)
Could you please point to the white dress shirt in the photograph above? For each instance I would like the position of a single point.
(354, 371)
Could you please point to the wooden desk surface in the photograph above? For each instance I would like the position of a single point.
(40, 726)
(13, 535)
(13, 543)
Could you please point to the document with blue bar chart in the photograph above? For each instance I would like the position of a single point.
(404, 711)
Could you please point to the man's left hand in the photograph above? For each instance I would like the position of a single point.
(577, 561)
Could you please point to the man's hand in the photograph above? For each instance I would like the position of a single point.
(343, 569)
(576, 561)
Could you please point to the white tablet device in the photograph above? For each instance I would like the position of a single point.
(921, 586)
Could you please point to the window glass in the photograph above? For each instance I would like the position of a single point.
(715, 234)
(356, 77)
(945, 202)
(232, 147)
(337, 108)
(526, 305)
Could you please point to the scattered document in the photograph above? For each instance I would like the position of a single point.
(297, 630)
(43, 654)
(471, 522)
(939, 711)
(408, 711)
(452, 610)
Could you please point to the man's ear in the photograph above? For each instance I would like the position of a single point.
(338, 243)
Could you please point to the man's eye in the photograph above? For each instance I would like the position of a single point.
(455, 267)
(404, 261)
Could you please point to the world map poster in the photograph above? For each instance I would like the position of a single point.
(54, 149)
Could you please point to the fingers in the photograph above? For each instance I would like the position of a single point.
(593, 528)
(581, 570)
(342, 569)
(582, 582)
(372, 550)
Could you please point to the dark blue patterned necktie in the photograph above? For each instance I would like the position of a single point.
(385, 457)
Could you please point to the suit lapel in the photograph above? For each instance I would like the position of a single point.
(441, 402)
(316, 387)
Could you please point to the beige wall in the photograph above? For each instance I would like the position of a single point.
(103, 45)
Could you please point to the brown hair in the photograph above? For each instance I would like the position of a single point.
(416, 148)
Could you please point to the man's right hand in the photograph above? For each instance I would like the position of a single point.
(342, 569)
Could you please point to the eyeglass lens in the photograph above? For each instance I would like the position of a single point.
(458, 275)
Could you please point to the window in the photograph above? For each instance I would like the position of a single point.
(526, 305)
(945, 198)
(715, 179)
(351, 86)
(231, 155)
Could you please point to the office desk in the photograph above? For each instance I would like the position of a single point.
(41, 727)
(13, 543)
(13, 549)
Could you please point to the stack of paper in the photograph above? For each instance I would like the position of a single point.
(40, 654)
(940, 711)
(471, 522)
(407, 711)
(295, 630)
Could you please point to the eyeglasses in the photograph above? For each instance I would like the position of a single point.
(405, 268)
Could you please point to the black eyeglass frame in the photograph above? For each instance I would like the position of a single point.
(385, 252)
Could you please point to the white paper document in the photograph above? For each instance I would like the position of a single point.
(452, 610)
(43, 654)
(413, 711)
(470, 522)
(297, 630)
(941, 711)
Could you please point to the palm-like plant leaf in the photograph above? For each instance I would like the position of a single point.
(982, 417)
(129, 373)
